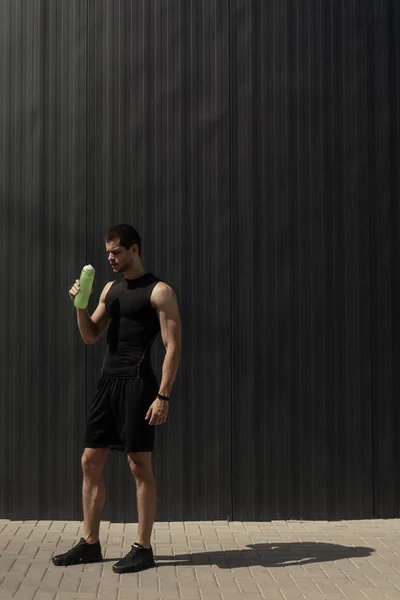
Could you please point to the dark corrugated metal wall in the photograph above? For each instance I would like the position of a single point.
(302, 359)
(158, 138)
(384, 186)
(255, 146)
(43, 236)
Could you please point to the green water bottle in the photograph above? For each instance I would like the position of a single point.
(85, 283)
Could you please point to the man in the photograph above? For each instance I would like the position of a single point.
(128, 403)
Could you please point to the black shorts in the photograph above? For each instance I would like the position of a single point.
(116, 417)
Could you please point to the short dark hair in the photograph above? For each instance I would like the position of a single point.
(126, 234)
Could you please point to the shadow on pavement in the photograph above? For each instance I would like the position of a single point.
(268, 555)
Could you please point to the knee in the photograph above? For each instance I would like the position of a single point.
(140, 468)
(92, 463)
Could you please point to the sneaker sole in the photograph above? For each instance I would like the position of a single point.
(79, 562)
(135, 569)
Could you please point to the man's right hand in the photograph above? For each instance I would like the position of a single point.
(75, 289)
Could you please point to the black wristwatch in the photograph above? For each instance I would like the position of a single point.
(163, 397)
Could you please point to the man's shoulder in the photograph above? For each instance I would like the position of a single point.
(107, 287)
(162, 293)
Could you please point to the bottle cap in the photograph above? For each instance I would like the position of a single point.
(88, 268)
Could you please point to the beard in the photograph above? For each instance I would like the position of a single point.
(120, 268)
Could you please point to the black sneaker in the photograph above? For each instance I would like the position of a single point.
(138, 559)
(81, 553)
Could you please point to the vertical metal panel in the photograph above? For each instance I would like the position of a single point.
(300, 258)
(111, 197)
(384, 143)
(43, 226)
(158, 139)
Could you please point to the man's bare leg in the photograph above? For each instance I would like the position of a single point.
(88, 549)
(93, 491)
(146, 493)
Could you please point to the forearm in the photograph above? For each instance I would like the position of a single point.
(169, 370)
(87, 328)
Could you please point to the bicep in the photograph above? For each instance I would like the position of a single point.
(100, 316)
(170, 322)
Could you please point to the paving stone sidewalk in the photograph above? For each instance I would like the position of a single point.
(285, 560)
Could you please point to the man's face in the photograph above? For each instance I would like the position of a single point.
(120, 258)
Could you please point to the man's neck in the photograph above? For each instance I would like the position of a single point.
(134, 273)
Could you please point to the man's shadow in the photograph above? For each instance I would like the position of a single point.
(267, 555)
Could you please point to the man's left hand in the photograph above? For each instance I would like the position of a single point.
(157, 412)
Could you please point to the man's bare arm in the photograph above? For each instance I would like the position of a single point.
(164, 300)
(92, 327)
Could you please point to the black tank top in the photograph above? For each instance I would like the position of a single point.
(134, 325)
